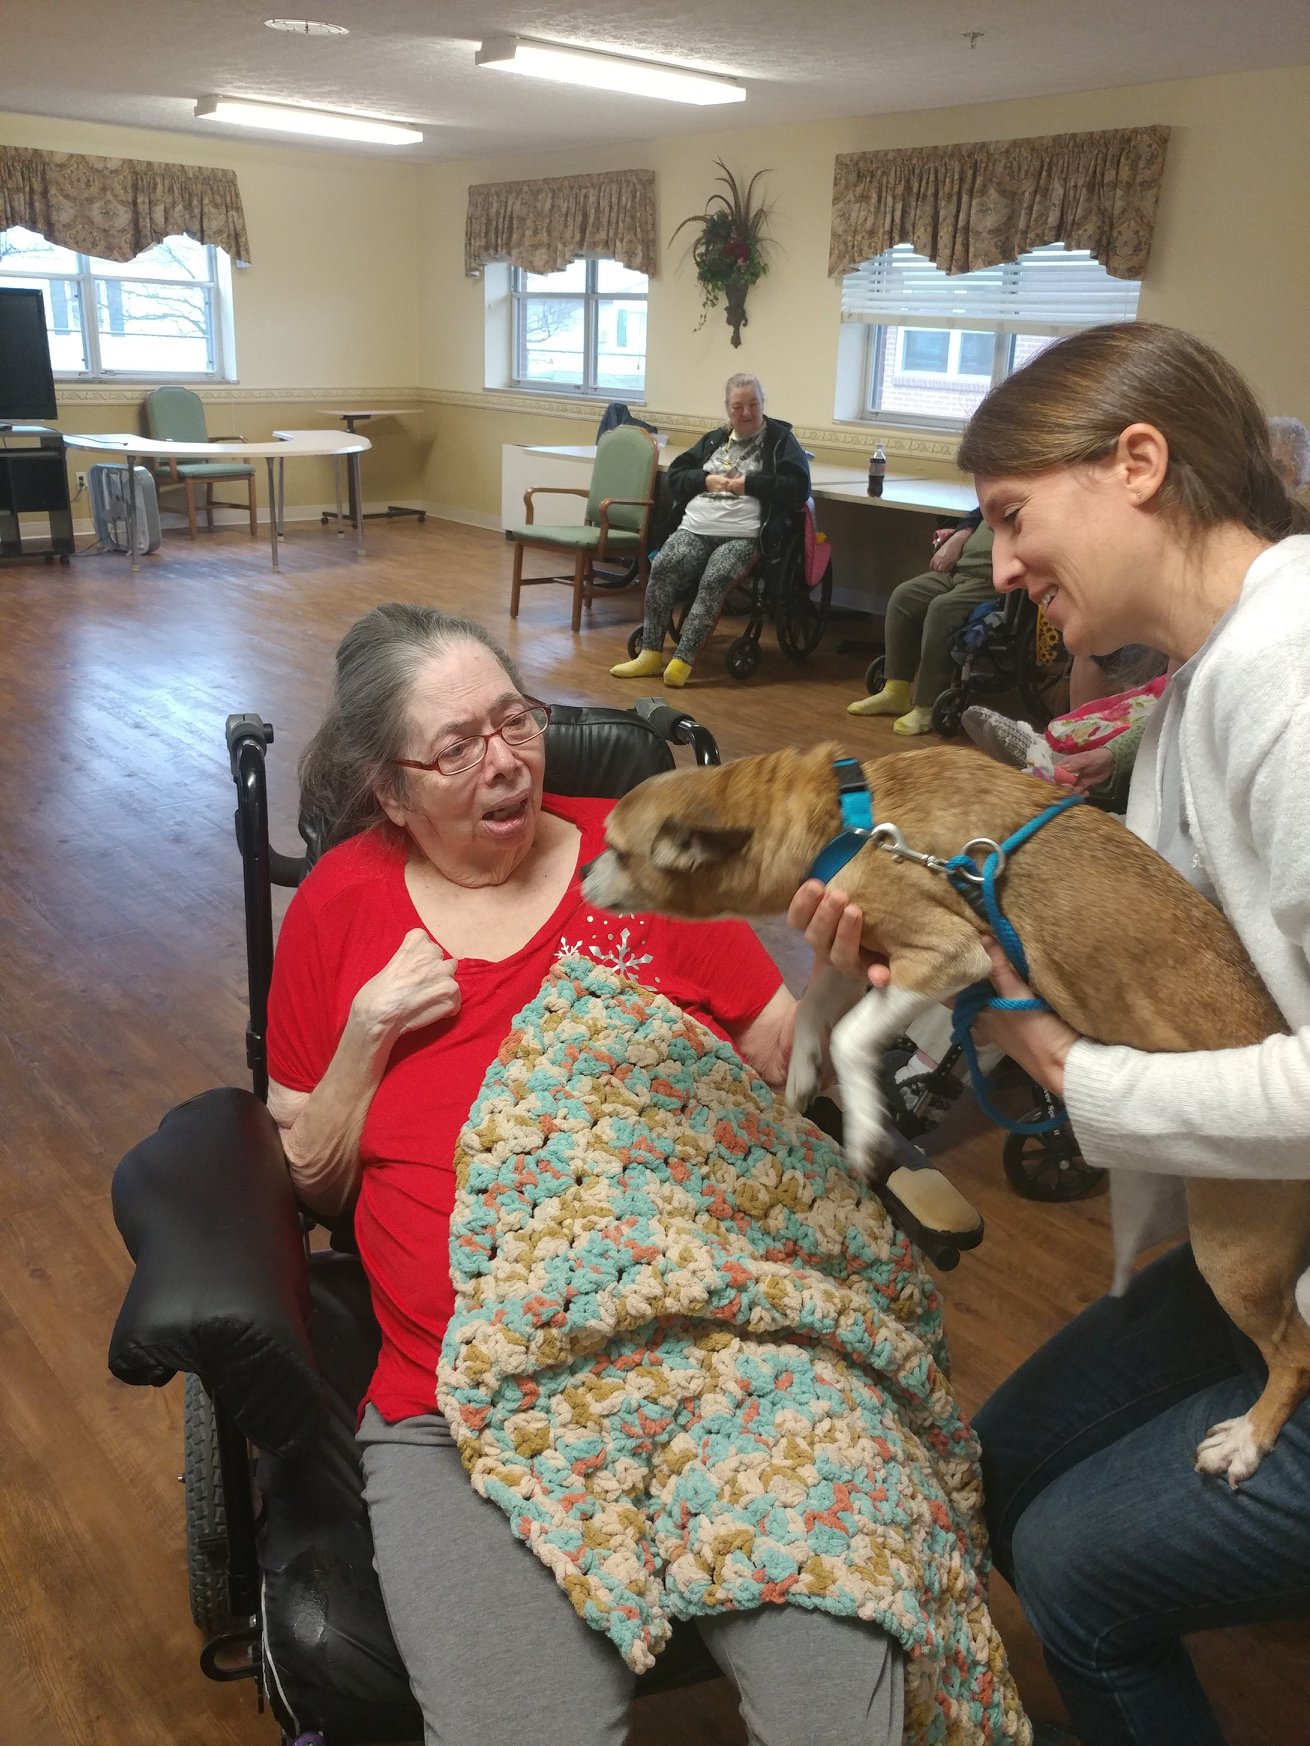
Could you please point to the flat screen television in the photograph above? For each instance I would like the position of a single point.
(27, 384)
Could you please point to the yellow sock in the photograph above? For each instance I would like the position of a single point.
(893, 699)
(644, 666)
(918, 721)
(677, 673)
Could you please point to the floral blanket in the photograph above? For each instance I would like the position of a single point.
(696, 1366)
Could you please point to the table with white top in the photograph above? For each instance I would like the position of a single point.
(287, 445)
(351, 416)
(830, 480)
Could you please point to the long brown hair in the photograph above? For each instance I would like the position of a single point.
(1070, 403)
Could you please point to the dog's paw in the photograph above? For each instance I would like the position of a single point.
(804, 1076)
(864, 1143)
(1230, 1451)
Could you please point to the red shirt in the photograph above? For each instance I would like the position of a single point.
(346, 921)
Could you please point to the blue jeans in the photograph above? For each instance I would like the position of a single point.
(1116, 1548)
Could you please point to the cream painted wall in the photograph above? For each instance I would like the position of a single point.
(331, 298)
(1238, 165)
(358, 280)
(329, 303)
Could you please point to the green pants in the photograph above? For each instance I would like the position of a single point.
(924, 614)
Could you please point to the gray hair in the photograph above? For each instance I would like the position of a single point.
(1290, 442)
(743, 382)
(350, 758)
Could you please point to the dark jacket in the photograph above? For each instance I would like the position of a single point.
(782, 483)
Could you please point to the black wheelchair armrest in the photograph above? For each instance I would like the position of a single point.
(206, 1209)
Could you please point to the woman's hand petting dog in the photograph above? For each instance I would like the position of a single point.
(1038, 1041)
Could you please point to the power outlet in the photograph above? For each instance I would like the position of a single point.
(81, 481)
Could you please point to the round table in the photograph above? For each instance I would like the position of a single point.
(287, 445)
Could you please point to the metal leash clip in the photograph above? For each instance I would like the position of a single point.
(888, 836)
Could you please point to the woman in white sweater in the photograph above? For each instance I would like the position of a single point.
(1127, 476)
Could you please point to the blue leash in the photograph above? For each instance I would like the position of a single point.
(979, 891)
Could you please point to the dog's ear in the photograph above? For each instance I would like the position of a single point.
(683, 848)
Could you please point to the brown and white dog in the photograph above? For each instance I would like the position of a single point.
(1118, 943)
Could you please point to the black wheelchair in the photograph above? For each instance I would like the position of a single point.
(789, 587)
(1006, 646)
(277, 1339)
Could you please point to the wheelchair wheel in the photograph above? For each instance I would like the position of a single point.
(947, 710)
(1048, 1167)
(206, 1514)
(742, 658)
(635, 643)
(804, 616)
(875, 675)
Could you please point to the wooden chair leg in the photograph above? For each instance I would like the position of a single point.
(209, 505)
(516, 586)
(579, 571)
(191, 508)
(254, 525)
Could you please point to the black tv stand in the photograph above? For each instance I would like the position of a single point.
(34, 481)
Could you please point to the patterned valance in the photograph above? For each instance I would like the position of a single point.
(972, 206)
(115, 208)
(542, 226)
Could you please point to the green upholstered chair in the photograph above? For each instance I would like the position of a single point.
(177, 415)
(615, 526)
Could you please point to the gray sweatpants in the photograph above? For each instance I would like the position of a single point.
(497, 1656)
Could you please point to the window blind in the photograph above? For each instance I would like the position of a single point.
(1046, 290)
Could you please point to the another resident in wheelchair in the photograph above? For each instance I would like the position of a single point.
(966, 651)
(732, 495)
(427, 787)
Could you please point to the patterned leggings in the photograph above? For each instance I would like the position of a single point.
(688, 564)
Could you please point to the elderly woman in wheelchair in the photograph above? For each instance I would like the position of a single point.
(732, 493)
(691, 1371)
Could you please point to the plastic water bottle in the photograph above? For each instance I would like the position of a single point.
(877, 471)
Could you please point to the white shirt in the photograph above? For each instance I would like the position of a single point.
(1228, 751)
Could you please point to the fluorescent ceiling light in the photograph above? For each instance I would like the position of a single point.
(289, 118)
(573, 66)
(312, 27)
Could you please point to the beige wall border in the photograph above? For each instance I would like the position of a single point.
(228, 393)
(919, 445)
(857, 439)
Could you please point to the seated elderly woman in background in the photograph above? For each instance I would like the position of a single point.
(731, 496)
(417, 963)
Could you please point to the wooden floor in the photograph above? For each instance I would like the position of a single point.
(121, 992)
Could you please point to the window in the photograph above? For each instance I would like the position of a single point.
(161, 315)
(582, 329)
(921, 348)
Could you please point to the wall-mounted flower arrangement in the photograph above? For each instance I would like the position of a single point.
(729, 250)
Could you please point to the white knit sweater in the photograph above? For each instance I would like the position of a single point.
(1232, 741)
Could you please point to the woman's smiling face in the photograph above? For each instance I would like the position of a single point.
(1080, 546)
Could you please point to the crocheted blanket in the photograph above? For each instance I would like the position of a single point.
(696, 1366)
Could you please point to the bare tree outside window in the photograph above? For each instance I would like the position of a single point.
(581, 329)
(158, 315)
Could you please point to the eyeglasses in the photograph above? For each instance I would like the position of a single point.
(519, 729)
